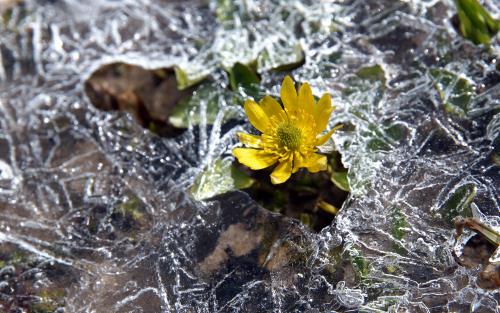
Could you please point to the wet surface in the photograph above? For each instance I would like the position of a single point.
(97, 211)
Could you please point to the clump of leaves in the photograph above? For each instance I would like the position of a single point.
(313, 199)
(475, 23)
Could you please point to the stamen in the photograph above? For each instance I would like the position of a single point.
(289, 136)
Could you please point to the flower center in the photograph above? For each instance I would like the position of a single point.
(289, 136)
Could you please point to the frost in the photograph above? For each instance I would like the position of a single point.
(97, 215)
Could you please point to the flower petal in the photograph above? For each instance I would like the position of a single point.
(306, 99)
(315, 163)
(289, 95)
(254, 159)
(321, 140)
(248, 140)
(297, 161)
(257, 116)
(272, 108)
(282, 172)
(322, 112)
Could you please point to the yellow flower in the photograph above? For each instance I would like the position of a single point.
(289, 136)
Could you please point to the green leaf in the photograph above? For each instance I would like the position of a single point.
(340, 180)
(360, 264)
(496, 159)
(240, 178)
(398, 229)
(242, 75)
(367, 86)
(377, 144)
(458, 203)
(187, 77)
(235, 45)
(455, 92)
(395, 132)
(375, 72)
(131, 208)
(495, 257)
(187, 110)
(399, 224)
(305, 219)
(224, 10)
(476, 24)
(328, 207)
(281, 56)
(218, 178)
(492, 235)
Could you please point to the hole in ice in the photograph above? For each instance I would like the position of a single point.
(476, 253)
(312, 198)
(149, 96)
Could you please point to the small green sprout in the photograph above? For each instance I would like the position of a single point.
(475, 23)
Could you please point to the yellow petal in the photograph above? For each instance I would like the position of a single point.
(289, 95)
(297, 161)
(254, 159)
(272, 108)
(282, 172)
(306, 99)
(322, 112)
(321, 140)
(256, 115)
(248, 140)
(315, 163)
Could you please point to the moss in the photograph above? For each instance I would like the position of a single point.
(49, 301)
(399, 224)
(398, 230)
(18, 257)
(391, 269)
(359, 263)
(384, 304)
(132, 209)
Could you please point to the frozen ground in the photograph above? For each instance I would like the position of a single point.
(95, 213)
